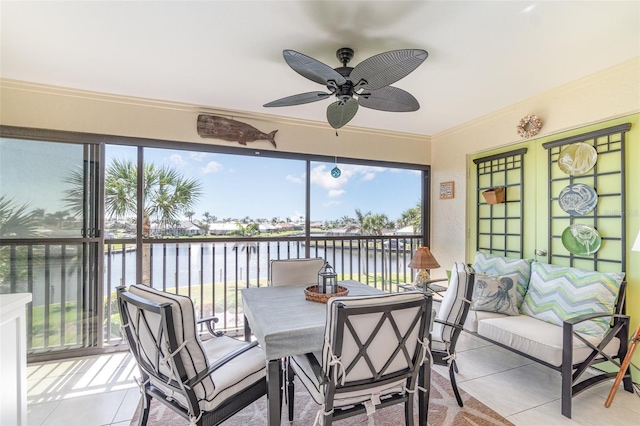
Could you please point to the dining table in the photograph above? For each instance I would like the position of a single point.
(285, 323)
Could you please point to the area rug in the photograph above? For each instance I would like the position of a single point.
(443, 411)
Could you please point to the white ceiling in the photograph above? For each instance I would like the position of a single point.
(483, 55)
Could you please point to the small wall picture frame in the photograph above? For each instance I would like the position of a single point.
(447, 190)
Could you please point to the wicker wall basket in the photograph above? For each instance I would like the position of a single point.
(494, 195)
(311, 293)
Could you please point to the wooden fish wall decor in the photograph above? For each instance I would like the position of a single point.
(210, 126)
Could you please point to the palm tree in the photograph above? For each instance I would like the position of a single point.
(189, 214)
(248, 230)
(358, 222)
(16, 221)
(166, 192)
(412, 217)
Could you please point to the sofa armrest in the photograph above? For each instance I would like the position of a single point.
(619, 328)
(586, 317)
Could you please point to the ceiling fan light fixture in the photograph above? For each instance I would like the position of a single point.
(369, 81)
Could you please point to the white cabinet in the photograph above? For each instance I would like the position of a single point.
(13, 358)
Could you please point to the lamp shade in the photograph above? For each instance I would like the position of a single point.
(423, 259)
(636, 245)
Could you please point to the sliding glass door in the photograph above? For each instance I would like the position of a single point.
(50, 239)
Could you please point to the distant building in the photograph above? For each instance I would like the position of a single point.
(266, 228)
(223, 228)
(342, 232)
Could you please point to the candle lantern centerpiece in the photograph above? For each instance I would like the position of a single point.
(327, 286)
(327, 279)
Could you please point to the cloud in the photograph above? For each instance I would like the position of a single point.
(198, 156)
(333, 193)
(332, 203)
(294, 179)
(177, 160)
(211, 167)
(368, 176)
(321, 176)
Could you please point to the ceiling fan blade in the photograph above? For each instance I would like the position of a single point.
(339, 114)
(386, 68)
(389, 98)
(312, 69)
(299, 99)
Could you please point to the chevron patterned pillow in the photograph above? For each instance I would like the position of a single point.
(492, 264)
(557, 293)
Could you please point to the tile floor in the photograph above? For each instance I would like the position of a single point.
(101, 390)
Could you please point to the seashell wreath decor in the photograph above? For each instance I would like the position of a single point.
(529, 126)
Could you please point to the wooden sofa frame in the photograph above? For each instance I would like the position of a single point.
(571, 373)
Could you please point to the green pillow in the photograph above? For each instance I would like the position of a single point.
(557, 293)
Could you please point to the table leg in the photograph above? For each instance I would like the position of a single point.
(424, 382)
(273, 392)
(247, 330)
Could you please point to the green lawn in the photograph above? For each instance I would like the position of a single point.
(205, 297)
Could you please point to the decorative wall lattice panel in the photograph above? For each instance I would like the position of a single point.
(500, 226)
(587, 204)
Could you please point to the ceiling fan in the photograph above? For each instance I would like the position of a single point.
(367, 84)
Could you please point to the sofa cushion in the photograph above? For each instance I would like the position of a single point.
(557, 293)
(492, 264)
(538, 339)
(474, 317)
(494, 293)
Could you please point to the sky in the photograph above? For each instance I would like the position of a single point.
(238, 186)
(234, 186)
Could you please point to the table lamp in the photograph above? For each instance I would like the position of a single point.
(423, 260)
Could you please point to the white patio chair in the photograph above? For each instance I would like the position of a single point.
(206, 382)
(374, 347)
(294, 271)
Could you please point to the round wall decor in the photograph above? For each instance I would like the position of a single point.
(529, 126)
(578, 199)
(577, 158)
(581, 239)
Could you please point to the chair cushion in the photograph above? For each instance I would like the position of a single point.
(492, 264)
(495, 293)
(193, 355)
(295, 271)
(237, 374)
(302, 368)
(557, 293)
(538, 339)
(451, 307)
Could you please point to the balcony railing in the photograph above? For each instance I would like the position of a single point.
(211, 271)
